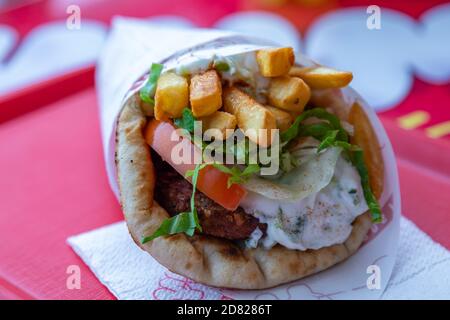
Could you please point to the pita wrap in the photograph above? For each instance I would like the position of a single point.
(220, 262)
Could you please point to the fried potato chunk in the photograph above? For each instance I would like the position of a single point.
(282, 118)
(275, 62)
(322, 77)
(289, 93)
(256, 121)
(172, 95)
(219, 120)
(205, 93)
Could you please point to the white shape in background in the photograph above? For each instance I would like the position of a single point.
(379, 59)
(171, 21)
(432, 56)
(262, 25)
(8, 38)
(52, 49)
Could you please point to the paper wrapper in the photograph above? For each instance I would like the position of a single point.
(134, 45)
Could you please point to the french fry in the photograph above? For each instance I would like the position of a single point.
(289, 93)
(275, 62)
(256, 121)
(282, 118)
(205, 93)
(172, 95)
(365, 137)
(322, 77)
(219, 120)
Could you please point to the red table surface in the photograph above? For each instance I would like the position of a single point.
(54, 185)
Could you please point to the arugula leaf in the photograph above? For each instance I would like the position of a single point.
(296, 128)
(236, 175)
(328, 141)
(221, 66)
(251, 169)
(186, 222)
(186, 121)
(194, 175)
(246, 173)
(182, 222)
(147, 92)
(315, 130)
(357, 157)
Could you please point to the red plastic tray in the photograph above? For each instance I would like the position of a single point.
(53, 185)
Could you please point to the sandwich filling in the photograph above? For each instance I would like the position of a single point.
(320, 184)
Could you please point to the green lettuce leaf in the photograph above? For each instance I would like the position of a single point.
(236, 175)
(147, 92)
(186, 121)
(297, 129)
(357, 157)
(221, 66)
(184, 222)
(328, 140)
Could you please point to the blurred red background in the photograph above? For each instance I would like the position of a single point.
(53, 181)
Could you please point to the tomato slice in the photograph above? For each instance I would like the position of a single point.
(163, 138)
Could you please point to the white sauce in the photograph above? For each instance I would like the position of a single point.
(319, 220)
(243, 68)
(252, 241)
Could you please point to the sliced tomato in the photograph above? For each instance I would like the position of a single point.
(163, 138)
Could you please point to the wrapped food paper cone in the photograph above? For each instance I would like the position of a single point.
(134, 45)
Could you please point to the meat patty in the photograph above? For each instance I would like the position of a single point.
(173, 193)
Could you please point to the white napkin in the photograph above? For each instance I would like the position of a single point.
(420, 272)
(422, 267)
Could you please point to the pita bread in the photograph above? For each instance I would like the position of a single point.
(209, 260)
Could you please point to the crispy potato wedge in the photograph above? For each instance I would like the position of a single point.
(275, 62)
(172, 95)
(289, 93)
(322, 77)
(219, 120)
(256, 121)
(205, 93)
(282, 118)
(365, 137)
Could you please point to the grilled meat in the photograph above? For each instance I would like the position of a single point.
(173, 192)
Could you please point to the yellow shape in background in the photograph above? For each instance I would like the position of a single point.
(438, 130)
(413, 120)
